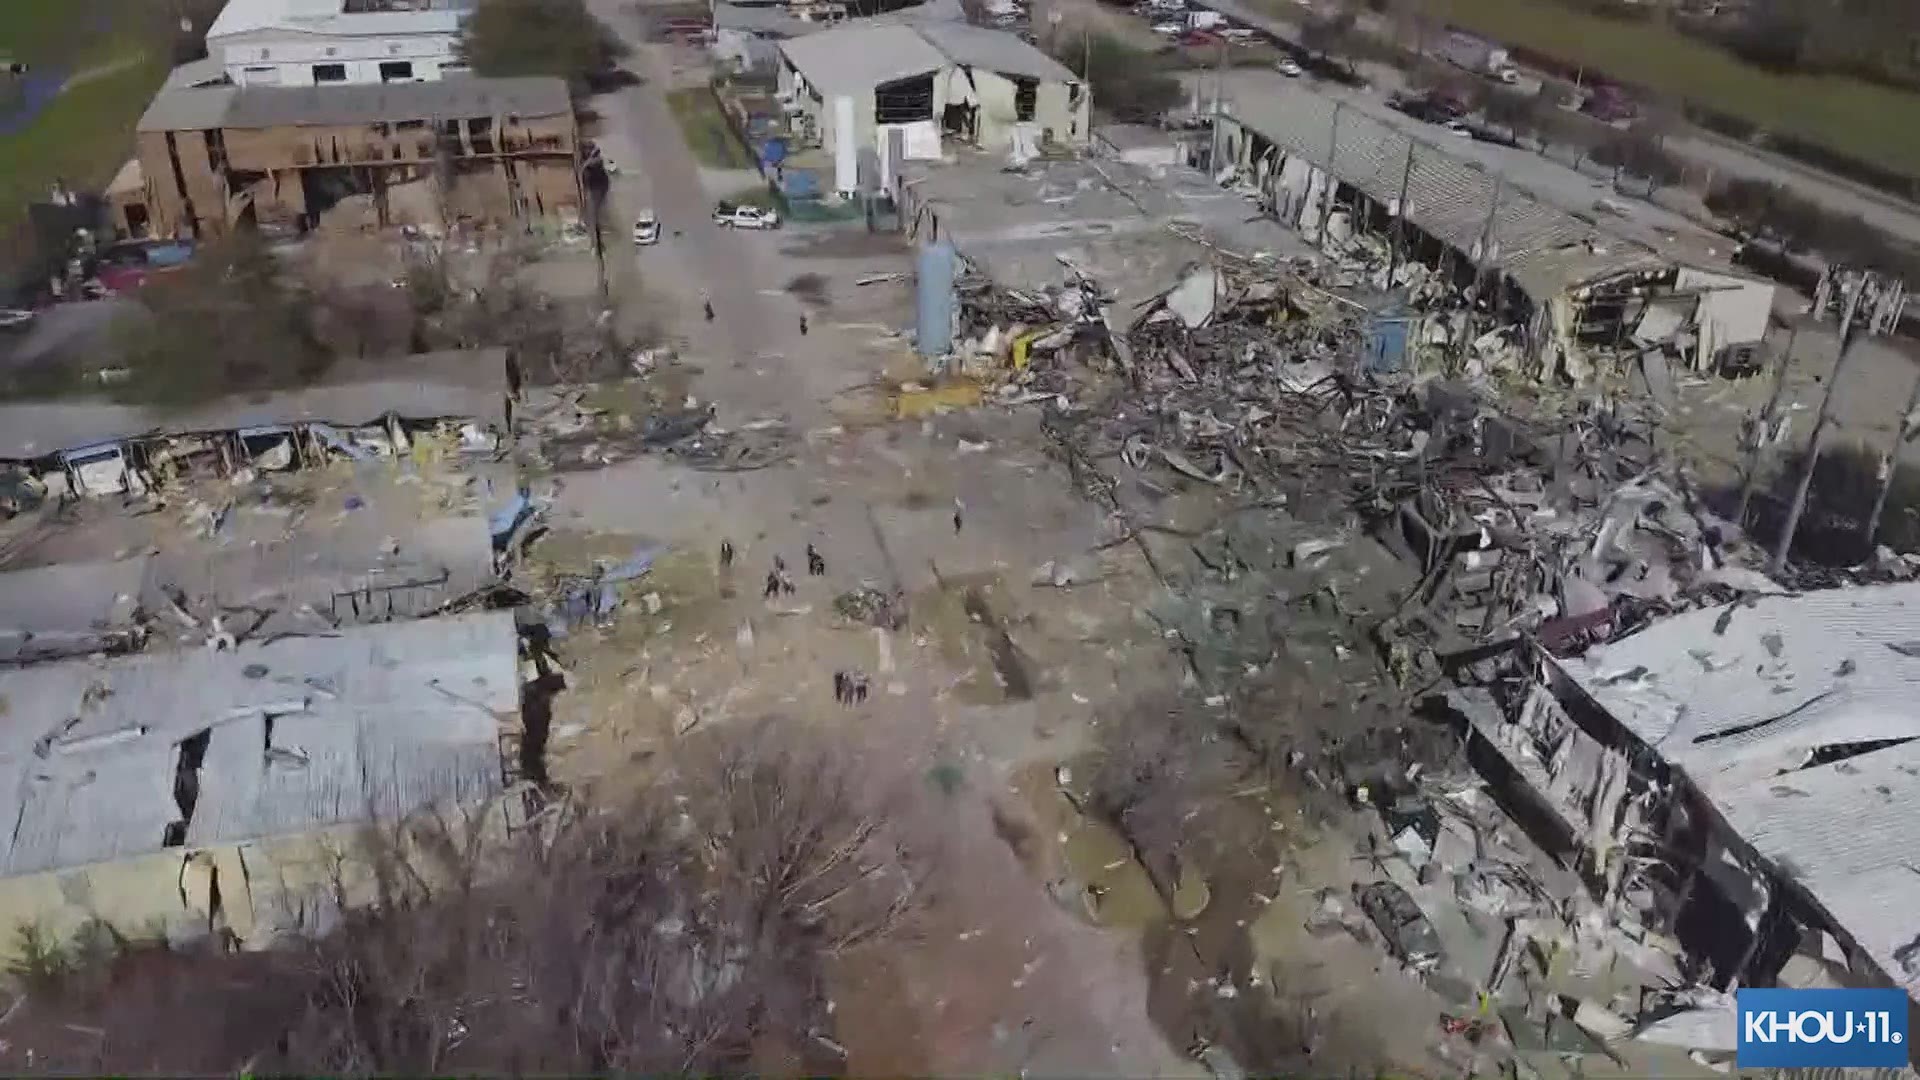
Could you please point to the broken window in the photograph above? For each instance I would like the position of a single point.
(905, 102)
(329, 73)
(1026, 98)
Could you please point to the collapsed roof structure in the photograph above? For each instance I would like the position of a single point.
(206, 700)
(1737, 778)
(1575, 286)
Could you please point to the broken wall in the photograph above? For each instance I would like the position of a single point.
(185, 201)
(266, 888)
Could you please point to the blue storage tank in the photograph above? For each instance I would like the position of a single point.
(933, 324)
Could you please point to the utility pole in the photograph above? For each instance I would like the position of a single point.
(1219, 86)
(1400, 216)
(1799, 504)
(1890, 461)
(1326, 193)
(1757, 453)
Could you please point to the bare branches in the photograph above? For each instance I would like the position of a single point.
(681, 932)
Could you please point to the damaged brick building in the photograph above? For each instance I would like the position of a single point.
(437, 154)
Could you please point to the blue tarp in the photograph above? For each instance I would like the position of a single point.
(502, 522)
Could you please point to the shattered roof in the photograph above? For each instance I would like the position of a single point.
(65, 609)
(994, 50)
(469, 384)
(1545, 249)
(205, 107)
(851, 60)
(304, 733)
(1742, 706)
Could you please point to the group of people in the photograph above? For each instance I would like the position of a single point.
(778, 581)
(850, 687)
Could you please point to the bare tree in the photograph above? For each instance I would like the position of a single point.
(685, 931)
(1157, 766)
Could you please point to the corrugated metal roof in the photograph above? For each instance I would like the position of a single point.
(1545, 249)
(354, 103)
(850, 60)
(994, 50)
(469, 384)
(388, 719)
(1741, 709)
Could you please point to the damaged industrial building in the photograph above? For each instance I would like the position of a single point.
(898, 90)
(1734, 777)
(1555, 291)
(213, 156)
(1672, 768)
(240, 643)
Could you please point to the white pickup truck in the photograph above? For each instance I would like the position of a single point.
(729, 216)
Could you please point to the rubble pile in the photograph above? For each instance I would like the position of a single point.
(1248, 377)
(562, 430)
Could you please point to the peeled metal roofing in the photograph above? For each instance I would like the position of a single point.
(994, 50)
(1545, 249)
(304, 733)
(1741, 708)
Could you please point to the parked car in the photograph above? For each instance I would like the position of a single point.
(729, 216)
(1239, 35)
(646, 230)
(1170, 29)
(1457, 127)
(1289, 67)
(1410, 935)
(1200, 39)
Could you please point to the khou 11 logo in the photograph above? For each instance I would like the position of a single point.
(1849, 1029)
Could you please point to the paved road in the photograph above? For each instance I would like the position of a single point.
(1890, 214)
(754, 360)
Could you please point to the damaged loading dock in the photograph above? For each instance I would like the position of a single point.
(1740, 777)
(361, 412)
(1559, 293)
(286, 664)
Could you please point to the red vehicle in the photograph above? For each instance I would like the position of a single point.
(1200, 39)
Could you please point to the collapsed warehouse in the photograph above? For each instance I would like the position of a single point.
(1166, 362)
(233, 638)
(1512, 280)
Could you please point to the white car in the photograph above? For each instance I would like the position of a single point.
(745, 217)
(1455, 127)
(1289, 68)
(646, 230)
(1170, 29)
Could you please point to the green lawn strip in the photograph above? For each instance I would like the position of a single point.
(1872, 123)
(706, 129)
(81, 137)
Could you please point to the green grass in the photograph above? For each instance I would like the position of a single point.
(707, 132)
(86, 132)
(81, 137)
(1871, 123)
